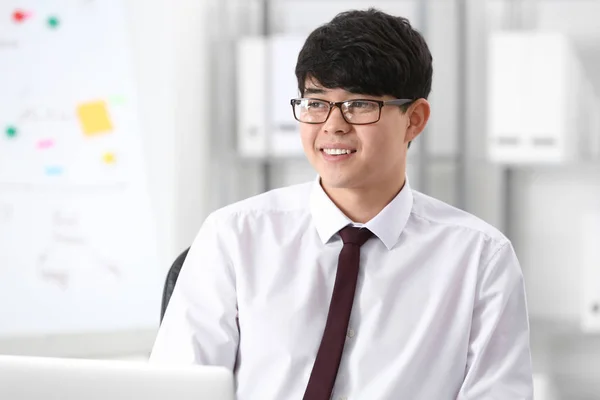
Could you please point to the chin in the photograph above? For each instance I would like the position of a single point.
(335, 183)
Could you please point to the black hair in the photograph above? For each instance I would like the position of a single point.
(367, 52)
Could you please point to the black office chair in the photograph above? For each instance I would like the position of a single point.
(170, 281)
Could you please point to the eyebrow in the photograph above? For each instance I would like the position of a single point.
(317, 90)
(313, 90)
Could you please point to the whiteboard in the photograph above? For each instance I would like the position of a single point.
(78, 247)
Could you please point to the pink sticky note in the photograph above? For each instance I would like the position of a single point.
(45, 144)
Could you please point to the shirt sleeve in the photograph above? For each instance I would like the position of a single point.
(200, 325)
(499, 359)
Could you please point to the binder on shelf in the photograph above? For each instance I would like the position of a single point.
(251, 93)
(265, 84)
(284, 129)
(541, 106)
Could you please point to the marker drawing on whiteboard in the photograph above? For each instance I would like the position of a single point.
(44, 114)
(68, 238)
(59, 278)
(107, 264)
(69, 255)
(66, 228)
(64, 218)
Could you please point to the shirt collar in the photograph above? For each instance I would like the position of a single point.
(387, 225)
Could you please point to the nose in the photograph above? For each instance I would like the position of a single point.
(336, 123)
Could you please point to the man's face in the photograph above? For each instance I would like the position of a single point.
(378, 150)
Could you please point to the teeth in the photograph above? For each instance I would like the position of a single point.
(337, 151)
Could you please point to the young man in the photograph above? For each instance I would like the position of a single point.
(425, 302)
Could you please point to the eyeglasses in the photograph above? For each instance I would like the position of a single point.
(355, 111)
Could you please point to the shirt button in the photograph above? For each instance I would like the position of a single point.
(350, 335)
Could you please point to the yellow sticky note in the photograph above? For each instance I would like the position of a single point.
(94, 118)
(109, 158)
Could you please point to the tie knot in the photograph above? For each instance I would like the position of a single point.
(353, 235)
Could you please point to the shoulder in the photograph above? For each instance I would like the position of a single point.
(468, 232)
(432, 211)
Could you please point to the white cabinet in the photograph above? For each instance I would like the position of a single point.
(589, 296)
(557, 238)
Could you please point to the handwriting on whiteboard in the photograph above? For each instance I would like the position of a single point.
(70, 254)
(45, 114)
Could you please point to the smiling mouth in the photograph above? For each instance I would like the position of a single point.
(338, 152)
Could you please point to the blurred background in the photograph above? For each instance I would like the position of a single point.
(123, 123)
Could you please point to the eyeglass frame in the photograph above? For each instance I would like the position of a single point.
(338, 104)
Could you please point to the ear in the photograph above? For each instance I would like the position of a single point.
(418, 115)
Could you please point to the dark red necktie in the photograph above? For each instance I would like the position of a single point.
(324, 372)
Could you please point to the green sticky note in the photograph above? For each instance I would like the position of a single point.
(11, 131)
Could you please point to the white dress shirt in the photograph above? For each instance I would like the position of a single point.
(439, 312)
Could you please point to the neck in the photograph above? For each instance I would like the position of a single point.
(362, 204)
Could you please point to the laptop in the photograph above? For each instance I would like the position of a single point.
(40, 378)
